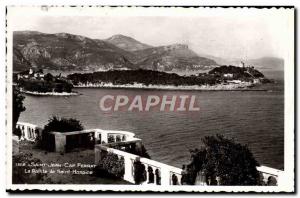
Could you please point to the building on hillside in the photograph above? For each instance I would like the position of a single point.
(32, 74)
(228, 75)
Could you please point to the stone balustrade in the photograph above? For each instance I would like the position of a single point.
(96, 136)
(110, 136)
(270, 174)
(28, 131)
(157, 173)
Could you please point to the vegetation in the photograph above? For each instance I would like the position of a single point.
(50, 84)
(59, 125)
(111, 166)
(242, 73)
(140, 174)
(22, 162)
(18, 107)
(138, 149)
(63, 125)
(134, 148)
(222, 161)
(147, 77)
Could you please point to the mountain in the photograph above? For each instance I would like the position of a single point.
(218, 60)
(264, 63)
(267, 63)
(127, 43)
(63, 51)
(68, 52)
(177, 57)
(19, 62)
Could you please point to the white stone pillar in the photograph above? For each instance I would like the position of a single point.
(147, 173)
(104, 137)
(154, 176)
(26, 132)
(179, 179)
(60, 142)
(278, 179)
(128, 175)
(165, 176)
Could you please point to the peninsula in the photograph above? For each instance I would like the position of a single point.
(35, 82)
(219, 78)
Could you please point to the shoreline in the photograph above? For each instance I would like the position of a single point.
(50, 93)
(219, 87)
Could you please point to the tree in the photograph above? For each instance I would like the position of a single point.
(110, 166)
(140, 174)
(48, 77)
(18, 106)
(223, 162)
(58, 125)
(62, 125)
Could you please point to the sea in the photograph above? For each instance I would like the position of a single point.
(255, 118)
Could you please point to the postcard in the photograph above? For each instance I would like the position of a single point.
(161, 99)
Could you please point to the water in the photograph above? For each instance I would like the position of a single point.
(252, 117)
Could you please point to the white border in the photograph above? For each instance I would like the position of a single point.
(287, 186)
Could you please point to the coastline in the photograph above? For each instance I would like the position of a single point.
(245, 86)
(50, 93)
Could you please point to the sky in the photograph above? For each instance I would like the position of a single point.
(230, 36)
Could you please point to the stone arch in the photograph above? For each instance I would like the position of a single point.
(150, 175)
(123, 138)
(174, 180)
(118, 138)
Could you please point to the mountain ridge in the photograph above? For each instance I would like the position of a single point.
(64, 51)
(127, 43)
(68, 52)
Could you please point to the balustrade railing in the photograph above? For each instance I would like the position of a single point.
(28, 131)
(156, 173)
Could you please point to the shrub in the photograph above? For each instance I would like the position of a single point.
(223, 162)
(18, 107)
(47, 85)
(63, 125)
(111, 166)
(59, 125)
(140, 174)
(138, 149)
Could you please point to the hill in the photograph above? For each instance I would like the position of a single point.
(237, 72)
(146, 77)
(127, 43)
(264, 63)
(242, 75)
(65, 51)
(68, 52)
(177, 57)
(19, 61)
(267, 63)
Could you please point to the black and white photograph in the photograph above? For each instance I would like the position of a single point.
(150, 99)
